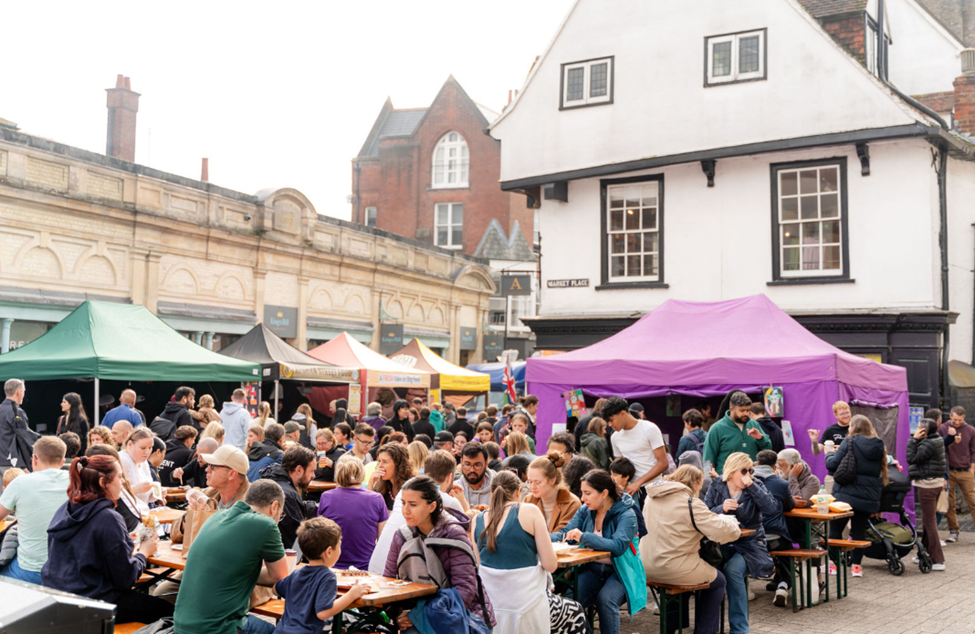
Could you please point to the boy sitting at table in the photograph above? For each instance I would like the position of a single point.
(310, 591)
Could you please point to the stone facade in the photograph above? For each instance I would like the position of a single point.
(76, 225)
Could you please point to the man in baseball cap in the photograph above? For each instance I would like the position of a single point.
(294, 427)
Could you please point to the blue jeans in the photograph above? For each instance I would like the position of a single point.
(14, 571)
(735, 570)
(600, 585)
(255, 625)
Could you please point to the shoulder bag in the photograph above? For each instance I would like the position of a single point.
(846, 471)
(709, 551)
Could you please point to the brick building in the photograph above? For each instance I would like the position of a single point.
(432, 174)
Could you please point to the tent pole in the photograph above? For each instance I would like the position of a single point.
(97, 399)
(276, 399)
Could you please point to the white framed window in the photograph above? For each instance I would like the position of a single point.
(451, 161)
(735, 57)
(370, 216)
(587, 83)
(449, 225)
(520, 306)
(810, 236)
(633, 226)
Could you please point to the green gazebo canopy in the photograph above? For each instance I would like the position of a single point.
(120, 342)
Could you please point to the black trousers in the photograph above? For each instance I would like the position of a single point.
(140, 607)
(781, 568)
(858, 531)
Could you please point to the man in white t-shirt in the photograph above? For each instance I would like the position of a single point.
(639, 441)
(34, 498)
(440, 466)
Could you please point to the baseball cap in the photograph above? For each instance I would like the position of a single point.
(291, 426)
(636, 407)
(444, 436)
(228, 456)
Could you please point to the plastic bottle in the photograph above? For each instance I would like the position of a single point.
(822, 501)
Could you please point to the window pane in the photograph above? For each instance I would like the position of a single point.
(650, 218)
(831, 258)
(650, 264)
(438, 176)
(442, 214)
(632, 219)
(789, 184)
(619, 243)
(790, 259)
(650, 195)
(616, 196)
(598, 76)
(458, 238)
(442, 236)
(616, 220)
(790, 209)
(828, 179)
(721, 60)
(633, 266)
(790, 234)
(615, 203)
(650, 242)
(807, 181)
(458, 213)
(748, 55)
(810, 258)
(831, 232)
(575, 88)
(634, 243)
(452, 137)
(830, 205)
(810, 207)
(810, 233)
(633, 196)
(617, 267)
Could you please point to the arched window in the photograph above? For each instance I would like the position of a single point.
(450, 161)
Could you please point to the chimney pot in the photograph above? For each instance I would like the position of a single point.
(968, 61)
(123, 104)
(128, 83)
(120, 82)
(205, 172)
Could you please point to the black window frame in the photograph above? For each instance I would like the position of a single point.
(375, 217)
(844, 276)
(604, 185)
(764, 56)
(611, 83)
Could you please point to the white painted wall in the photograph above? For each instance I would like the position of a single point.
(924, 57)
(718, 240)
(661, 106)
(961, 255)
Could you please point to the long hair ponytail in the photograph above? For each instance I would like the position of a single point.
(505, 487)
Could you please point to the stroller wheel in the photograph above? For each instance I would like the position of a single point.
(924, 563)
(895, 566)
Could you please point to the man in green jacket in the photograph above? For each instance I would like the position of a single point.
(735, 432)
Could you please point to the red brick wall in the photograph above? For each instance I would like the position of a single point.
(398, 181)
(965, 103)
(848, 30)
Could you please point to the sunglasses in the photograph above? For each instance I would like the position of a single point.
(747, 472)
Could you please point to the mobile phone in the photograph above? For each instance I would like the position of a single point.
(707, 466)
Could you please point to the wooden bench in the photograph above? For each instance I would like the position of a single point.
(665, 595)
(273, 608)
(803, 555)
(127, 628)
(844, 546)
(150, 574)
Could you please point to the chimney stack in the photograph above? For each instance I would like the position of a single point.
(205, 172)
(965, 93)
(123, 104)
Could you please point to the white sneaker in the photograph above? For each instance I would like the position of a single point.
(943, 542)
(938, 567)
(915, 560)
(781, 597)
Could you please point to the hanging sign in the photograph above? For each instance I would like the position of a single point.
(516, 285)
(774, 402)
(575, 403)
(390, 338)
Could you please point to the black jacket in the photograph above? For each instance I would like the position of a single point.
(104, 567)
(864, 493)
(194, 474)
(404, 426)
(296, 509)
(774, 433)
(424, 426)
(926, 458)
(178, 413)
(78, 426)
(264, 448)
(177, 455)
(16, 438)
(463, 425)
(328, 473)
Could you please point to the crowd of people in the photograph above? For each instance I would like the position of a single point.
(429, 495)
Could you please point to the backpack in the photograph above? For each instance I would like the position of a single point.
(419, 563)
(699, 446)
(163, 427)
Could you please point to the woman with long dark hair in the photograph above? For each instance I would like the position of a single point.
(104, 568)
(393, 469)
(74, 419)
(400, 420)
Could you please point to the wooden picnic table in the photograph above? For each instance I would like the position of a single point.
(175, 494)
(166, 515)
(166, 557)
(573, 557)
(320, 486)
(817, 526)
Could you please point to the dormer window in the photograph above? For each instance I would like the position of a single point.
(450, 162)
(587, 83)
(736, 57)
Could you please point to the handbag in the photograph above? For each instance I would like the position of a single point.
(709, 551)
(846, 471)
(193, 521)
(943, 502)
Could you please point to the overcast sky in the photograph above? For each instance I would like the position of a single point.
(274, 94)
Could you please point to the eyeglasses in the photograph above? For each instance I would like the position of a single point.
(467, 466)
(214, 467)
(367, 441)
(747, 471)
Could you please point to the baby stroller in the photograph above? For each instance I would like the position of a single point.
(890, 541)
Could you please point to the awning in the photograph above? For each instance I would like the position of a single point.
(453, 378)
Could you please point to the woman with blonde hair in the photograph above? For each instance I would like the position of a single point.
(134, 460)
(418, 455)
(215, 431)
(676, 519)
(517, 445)
(206, 412)
(264, 414)
(516, 558)
(864, 490)
(360, 513)
(311, 427)
(739, 494)
(557, 504)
